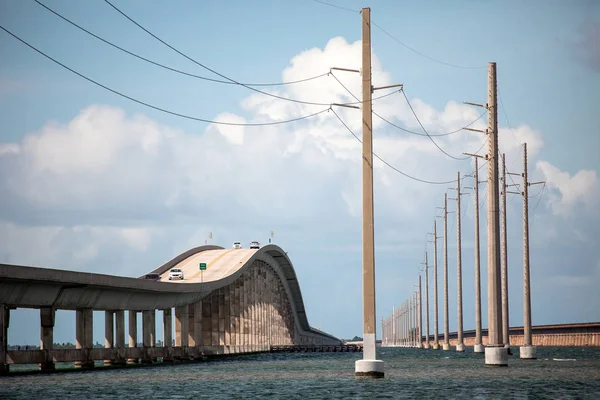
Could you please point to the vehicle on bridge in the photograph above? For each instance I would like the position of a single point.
(175, 273)
(237, 245)
(254, 245)
(152, 277)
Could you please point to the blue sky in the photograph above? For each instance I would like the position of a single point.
(93, 182)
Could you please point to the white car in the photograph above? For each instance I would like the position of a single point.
(237, 245)
(175, 273)
(254, 245)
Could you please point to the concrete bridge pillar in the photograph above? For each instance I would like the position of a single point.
(221, 319)
(227, 320)
(109, 334)
(148, 335)
(120, 336)
(244, 313)
(167, 335)
(181, 326)
(4, 317)
(132, 334)
(191, 325)
(84, 336)
(198, 321)
(214, 319)
(47, 315)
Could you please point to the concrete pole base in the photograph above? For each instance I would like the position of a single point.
(132, 361)
(478, 348)
(426, 346)
(436, 346)
(446, 346)
(368, 369)
(4, 369)
(496, 356)
(84, 364)
(47, 366)
(527, 352)
(460, 348)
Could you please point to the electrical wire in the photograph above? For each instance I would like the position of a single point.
(404, 129)
(214, 71)
(174, 69)
(336, 6)
(152, 106)
(388, 164)
(538, 202)
(425, 55)
(428, 135)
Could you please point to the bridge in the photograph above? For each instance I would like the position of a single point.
(246, 301)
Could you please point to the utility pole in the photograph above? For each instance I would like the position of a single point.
(446, 345)
(420, 345)
(426, 303)
(495, 352)
(528, 350)
(369, 366)
(478, 348)
(505, 323)
(436, 342)
(460, 347)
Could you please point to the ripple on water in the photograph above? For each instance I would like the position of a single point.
(410, 373)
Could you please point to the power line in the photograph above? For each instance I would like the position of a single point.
(388, 164)
(214, 71)
(425, 55)
(428, 135)
(402, 43)
(404, 129)
(152, 106)
(336, 6)
(170, 68)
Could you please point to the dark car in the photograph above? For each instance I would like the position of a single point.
(152, 277)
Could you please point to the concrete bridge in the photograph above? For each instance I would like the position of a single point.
(245, 301)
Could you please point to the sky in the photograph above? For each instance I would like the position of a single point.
(92, 181)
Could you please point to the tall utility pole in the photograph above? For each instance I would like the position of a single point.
(495, 352)
(478, 348)
(436, 342)
(426, 303)
(420, 344)
(459, 340)
(528, 350)
(369, 366)
(505, 326)
(446, 345)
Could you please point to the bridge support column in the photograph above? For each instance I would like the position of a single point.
(198, 333)
(235, 312)
(109, 333)
(221, 320)
(4, 317)
(120, 337)
(132, 335)
(148, 335)
(167, 335)
(84, 336)
(214, 320)
(47, 315)
(227, 320)
(181, 327)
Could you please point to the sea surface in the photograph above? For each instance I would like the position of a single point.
(558, 373)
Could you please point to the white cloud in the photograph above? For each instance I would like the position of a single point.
(567, 191)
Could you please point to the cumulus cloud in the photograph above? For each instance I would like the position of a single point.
(567, 192)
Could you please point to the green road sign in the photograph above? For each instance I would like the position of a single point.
(202, 266)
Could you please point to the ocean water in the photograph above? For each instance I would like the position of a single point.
(558, 373)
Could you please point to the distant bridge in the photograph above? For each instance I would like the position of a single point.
(245, 301)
